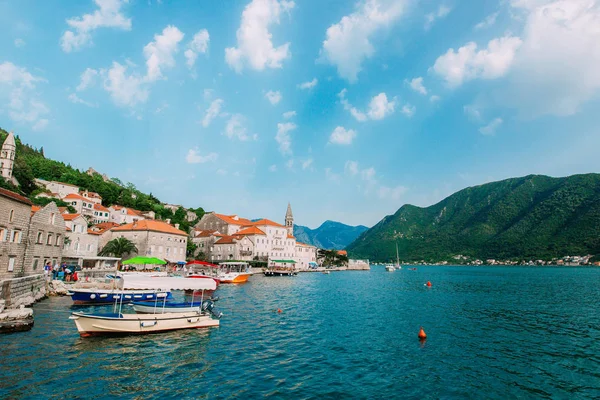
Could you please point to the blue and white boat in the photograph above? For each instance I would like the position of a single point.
(107, 296)
(166, 307)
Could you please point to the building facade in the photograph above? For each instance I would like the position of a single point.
(153, 238)
(45, 240)
(7, 158)
(100, 214)
(15, 214)
(306, 256)
(63, 189)
(124, 215)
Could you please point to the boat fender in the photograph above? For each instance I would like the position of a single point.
(192, 320)
(92, 296)
(144, 324)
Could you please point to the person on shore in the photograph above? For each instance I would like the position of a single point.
(47, 269)
(55, 271)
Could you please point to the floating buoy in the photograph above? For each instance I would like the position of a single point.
(279, 310)
(428, 284)
(422, 334)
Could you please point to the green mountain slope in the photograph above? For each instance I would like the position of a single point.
(534, 216)
(330, 235)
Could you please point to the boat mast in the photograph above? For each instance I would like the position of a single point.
(397, 257)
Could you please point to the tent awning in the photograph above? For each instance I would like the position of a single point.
(141, 282)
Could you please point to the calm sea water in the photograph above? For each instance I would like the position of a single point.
(492, 333)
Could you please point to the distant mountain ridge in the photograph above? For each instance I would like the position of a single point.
(532, 216)
(330, 235)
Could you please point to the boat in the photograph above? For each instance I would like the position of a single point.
(390, 268)
(117, 323)
(202, 269)
(281, 268)
(398, 266)
(233, 272)
(160, 308)
(108, 296)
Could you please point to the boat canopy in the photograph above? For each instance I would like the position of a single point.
(167, 283)
(230, 263)
(284, 261)
(198, 262)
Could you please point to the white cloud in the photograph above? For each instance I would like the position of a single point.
(441, 12)
(368, 175)
(273, 168)
(283, 137)
(394, 193)
(342, 136)
(199, 44)
(254, 41)
(557, 67)
(358, 115)
(435, 98)
(416, 84)
(380, 107)
(351, 167)
(273, 97)
(348, 43)
(307, 163)
(467, 63)
(409, 110)
(107, 16)
(212, 112)
(193, 157)
(87, 79)
(23, 104)
(289, 114)
(309, 84)
(490, 129)
(332, 176)
(235, 128)
(487, 22)
(73, 98)
(19, 42)
(159, 53)
(125, 90)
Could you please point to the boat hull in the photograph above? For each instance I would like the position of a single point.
(99, 296)
(139, 324)
(234, 278)
(148, 308)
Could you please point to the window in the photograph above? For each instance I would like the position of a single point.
(3, 234)
(11, 263)
(89, 247)
(77, 246)
(168, 250)
(151, 249)
(16, 236)
(36, 262)
(49, 239)
(57, 243)
(160, 249)
(11, 215)
(52, 218)
(39, 238)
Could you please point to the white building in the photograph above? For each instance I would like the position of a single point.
(101, 214)
(7, 158)
(81, 204)
(82, 245)
(124, 215)
(92, 197)
(306, 255)
(63, 189)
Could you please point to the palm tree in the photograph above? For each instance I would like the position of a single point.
(118, 248)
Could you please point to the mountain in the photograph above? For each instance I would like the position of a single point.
(330, 235)
(533, 216)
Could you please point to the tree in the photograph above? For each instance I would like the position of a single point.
(118, 248)
(191, 249)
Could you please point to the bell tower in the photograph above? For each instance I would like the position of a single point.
(289, 220)
(7, 157)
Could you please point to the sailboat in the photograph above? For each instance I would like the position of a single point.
(398, 266)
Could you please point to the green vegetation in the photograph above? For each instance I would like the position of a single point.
(30, 163)
(331, 258)
(118, 247)
(531, 217)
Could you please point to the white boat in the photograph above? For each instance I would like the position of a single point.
(233, 272)
(117, 323)
(390, 268)
(161, 308)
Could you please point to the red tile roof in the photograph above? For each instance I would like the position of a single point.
(14, 196)
(70, 217)
(226, 239)
(75, 196)
(264, 221)
(91, 232)
(35, 209)
(100, 207)
(105, 225)
(253, 230)
(150, 225)
(233, 219)
(290, 236)
(342, 252)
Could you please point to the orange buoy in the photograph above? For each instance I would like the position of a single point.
(279, 310)
(422, 334)
(428, 284)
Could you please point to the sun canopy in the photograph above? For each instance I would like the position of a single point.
(284, 261)
(197, 262)
(140, 260)
(141, 282)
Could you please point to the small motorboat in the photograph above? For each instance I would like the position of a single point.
(160, 308)
(390, 268)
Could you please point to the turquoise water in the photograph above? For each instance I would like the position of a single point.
(492, 333)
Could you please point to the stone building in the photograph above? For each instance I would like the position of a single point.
(7, 158)
(62, 189)
(204, 240)
(82, 245)
(101, 214)
(235, 247)
(81, 204)
(92, 196)
(45, 240)
(15, 214)
(124, 215)
(225, 224)
(154, 238)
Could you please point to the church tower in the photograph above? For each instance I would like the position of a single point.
(289, 220)
(7, 157)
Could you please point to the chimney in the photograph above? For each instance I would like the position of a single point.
(168, 220)
(176, 226)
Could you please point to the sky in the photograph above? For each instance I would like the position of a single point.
(348, 110)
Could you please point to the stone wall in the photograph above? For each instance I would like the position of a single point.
(46, 236)
(14, 230)
(22, 291)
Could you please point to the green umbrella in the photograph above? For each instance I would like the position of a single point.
(144, 260)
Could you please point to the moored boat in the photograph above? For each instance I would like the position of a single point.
(108, 296)
(233, 272)
(281, 268)
(161, 308)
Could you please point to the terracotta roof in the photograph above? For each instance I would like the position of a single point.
(206, 233)
(265, 221)
(230, 219)
(14, 196)
(92, 194)
(100, 207)
(63, 210)
(91, 232)
(226, 239)
(105, 225)
(290, 236)
(253, 230)
(68, 229)
(342, 252)
(150, 225)
(35, 209)
(70, 217)
(75, 196)
(304, 244)
(136, 213)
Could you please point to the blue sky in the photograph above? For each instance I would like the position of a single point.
(346, 109)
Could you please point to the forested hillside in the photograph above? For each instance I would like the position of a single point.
(533, 216)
